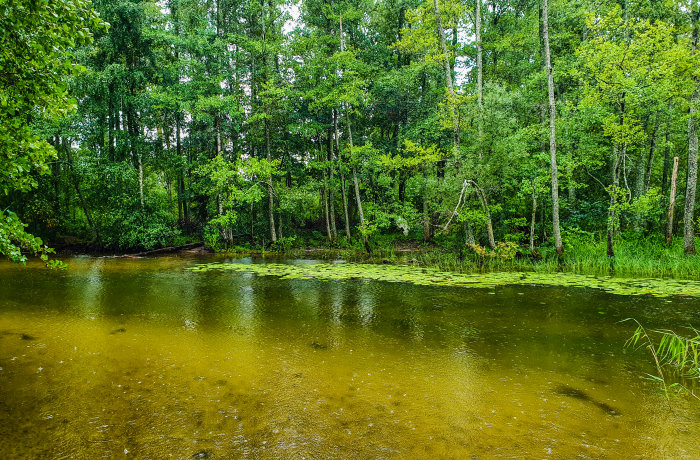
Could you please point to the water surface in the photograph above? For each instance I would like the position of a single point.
(142, 358)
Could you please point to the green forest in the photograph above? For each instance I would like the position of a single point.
(500, 130)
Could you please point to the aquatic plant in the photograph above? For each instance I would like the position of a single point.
(434, 277)
(670, 350)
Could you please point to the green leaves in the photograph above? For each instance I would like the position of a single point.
(37, 42)
(15, 242)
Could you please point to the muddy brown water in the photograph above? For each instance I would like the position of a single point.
(142, 358)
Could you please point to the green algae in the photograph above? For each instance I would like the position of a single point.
(434, 277)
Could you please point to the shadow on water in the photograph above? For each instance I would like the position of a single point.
(566, 390)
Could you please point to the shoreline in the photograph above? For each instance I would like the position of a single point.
(640, 262)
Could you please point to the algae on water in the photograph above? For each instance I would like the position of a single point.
(433, 277)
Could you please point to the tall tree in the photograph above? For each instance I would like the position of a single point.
(552, 130)
(451, 97)
(691, 182)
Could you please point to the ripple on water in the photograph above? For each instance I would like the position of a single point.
(142, 358)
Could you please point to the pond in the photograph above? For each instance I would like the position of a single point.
(148, 358)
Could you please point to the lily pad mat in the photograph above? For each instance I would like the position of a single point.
(433, 277)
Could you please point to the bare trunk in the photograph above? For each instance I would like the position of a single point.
(324, 199)
(691, 184)
(468, 234)
(252, 225)
(532, 221)
(218, 136)
(180, 190)
(671, 203)
(354, 168)
(76, 184)
(650, 161)
(426, 221)
(270, 191)
(487, 211)
(479, 76)
(644, 163)
(344, 193)
(552, 133)
(326, 211)
(331, 198)
(358, 200)
(572, 187)
(111, 123)
(448, 76)
(279, 225)
(140, 165)
(426, 217)
(612, 212)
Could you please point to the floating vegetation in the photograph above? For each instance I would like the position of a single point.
(433, 277)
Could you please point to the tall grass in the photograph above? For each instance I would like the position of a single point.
(634, 257)
(677, 353)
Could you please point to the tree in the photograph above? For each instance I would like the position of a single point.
(691, 184)
(36, 60)
(552, 131)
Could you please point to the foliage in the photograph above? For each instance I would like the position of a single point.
(15, 242)
(36, 58)
(504, 251)
(235, 123)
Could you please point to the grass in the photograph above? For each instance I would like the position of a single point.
(634, 257)
(677, 353)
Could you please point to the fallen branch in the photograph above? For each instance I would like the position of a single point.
(167, 250)
(459, 204)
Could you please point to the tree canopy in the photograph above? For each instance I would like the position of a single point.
(341, 123)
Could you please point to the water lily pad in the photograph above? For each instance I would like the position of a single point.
(434, 277)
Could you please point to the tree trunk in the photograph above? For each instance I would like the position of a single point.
(270, 191)
(572, 187)
(468, 234)
(671, 203)
(532, 221)
(641, 179)
(331, 162)
(93, 229)
(426, 217)
(479, 77)
(354, 168)
(326, 211)
(279, 225)
(485, 206)
(344, 191)
(217, 122)
(111, 122)
(650, 161)
(691, 184)
(140, 164)
(552, 132)
(612, 212)
(448, 76)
